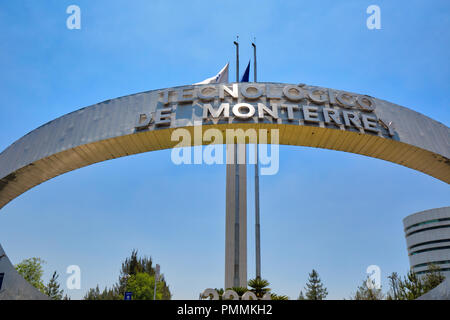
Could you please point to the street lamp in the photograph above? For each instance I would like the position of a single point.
(126, 277)
(156, 280)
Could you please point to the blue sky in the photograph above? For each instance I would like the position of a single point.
(332, 211)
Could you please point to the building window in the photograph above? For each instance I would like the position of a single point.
(428, 242)
(426, 271)
(427, 222)
(427, 229)
(432, 262)
(430, 249)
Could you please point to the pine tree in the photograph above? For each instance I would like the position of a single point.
(301, 296)
(131, 267)
(53, 288)
(134, 265)
(314, 288)
(432, 278)
(394, 281)
(413, 286)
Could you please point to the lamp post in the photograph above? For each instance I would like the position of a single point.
(156, 280)
(126, 277)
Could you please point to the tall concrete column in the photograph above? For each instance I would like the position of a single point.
(236, 218)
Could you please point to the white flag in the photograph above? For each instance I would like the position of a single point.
(221, 77)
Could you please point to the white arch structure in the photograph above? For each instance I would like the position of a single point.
(304, 115)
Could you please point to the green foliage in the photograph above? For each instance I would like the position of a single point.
(143, 285)
(393, 293)
(220, 292)
(365, 292)
(106, 294)
(32, 271)
(274, 296)
(315, 290)
(136, 275)
(301, 296)
(53, 288)
(259, 287)
(413, 286)
(239, 290)
(432, 278)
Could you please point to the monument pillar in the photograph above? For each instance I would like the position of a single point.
(236, 217)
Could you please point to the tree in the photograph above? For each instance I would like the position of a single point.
(131, 274)
(220, 292)
(274, 296)
(143, 287)
(368, 292)
(314, 288)
(31, 270)
(52, 289)
(106, 294)
(433, 277)
(239, 290)
(301, 296)
(259, 287)
(413, 286)
(394, 286)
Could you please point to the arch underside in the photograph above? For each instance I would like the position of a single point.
(80, 156)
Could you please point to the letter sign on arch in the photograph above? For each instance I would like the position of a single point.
(305, 116)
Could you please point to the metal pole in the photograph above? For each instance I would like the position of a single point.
(156, 280)
(236, 279)
(126, 276)
(154, 291)
(254, 61)
(257, 222)
(236, 43)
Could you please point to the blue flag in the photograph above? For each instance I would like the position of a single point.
(245, 76)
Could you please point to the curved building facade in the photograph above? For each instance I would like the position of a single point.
(428, 239)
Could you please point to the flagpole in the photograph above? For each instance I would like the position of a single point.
(236, 279)
(257, 221)
(254, 60)
(236, 43)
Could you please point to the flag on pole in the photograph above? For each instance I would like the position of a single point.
(221, 77)
(246, 75)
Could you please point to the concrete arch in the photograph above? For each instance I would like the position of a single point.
(304, 115)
